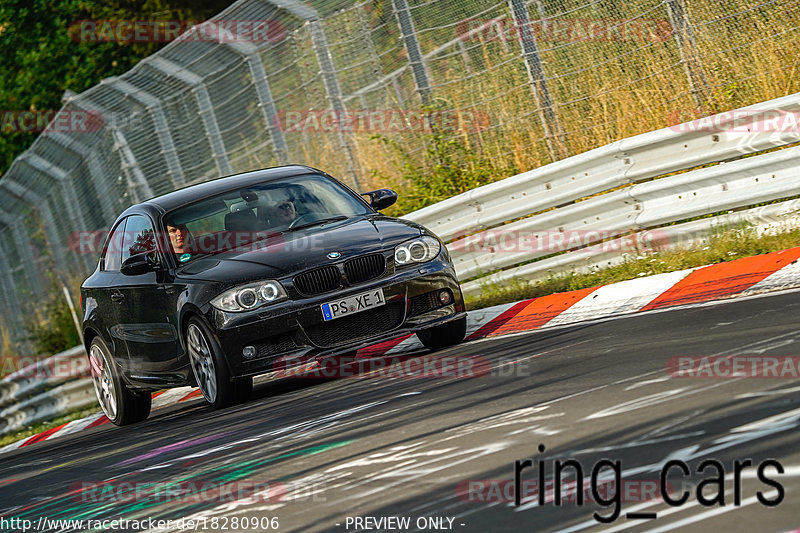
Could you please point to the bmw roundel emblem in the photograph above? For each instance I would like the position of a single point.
(334, 255)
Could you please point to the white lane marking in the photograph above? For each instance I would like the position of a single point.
(72, 427)
(647, 382)
(766, 393)
(407, 345)
(618, 298)
(637, 403)
(13, 445)
(655, 399)
(784, 278)
(674, 422)
(170, 397)
(479, 318)
(713, 512)
(634, 444)
(786, 419)
(77, 425)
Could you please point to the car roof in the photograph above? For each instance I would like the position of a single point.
(177, 198)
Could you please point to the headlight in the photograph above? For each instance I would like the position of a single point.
(250, 296)
(417, 251)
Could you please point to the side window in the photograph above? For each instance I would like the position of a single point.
(139, 237)
(113, 251)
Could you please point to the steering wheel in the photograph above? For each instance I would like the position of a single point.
(308, 217)
(301, 218)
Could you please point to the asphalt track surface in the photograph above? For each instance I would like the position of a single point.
(332, 451)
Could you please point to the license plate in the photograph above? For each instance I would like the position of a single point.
(352, 304)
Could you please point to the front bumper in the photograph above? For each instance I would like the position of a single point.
(294, 330)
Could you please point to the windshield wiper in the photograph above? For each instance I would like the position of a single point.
(319, 222)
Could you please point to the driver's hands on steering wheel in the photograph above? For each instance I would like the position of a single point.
(308, 217)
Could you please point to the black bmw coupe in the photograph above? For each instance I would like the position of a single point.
(210, 285)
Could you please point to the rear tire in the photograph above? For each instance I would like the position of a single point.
(210, 369)
(443, 336)
(121, 405)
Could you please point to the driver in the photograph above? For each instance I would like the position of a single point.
(180, 238)
(281, 212)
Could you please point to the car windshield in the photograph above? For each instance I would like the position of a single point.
(258, 213)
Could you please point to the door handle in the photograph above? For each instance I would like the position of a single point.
(117, 297)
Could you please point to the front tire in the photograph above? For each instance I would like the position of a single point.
(121, 405)
(210, 369)
(445, 335)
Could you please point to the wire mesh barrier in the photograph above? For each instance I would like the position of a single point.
(268, 82)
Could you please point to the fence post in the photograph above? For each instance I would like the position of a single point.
(687, 48)
(67, 190)
(553, 130)
(265, 100)
(413, 50)
(98, 177)
(209, 118)
(160, 126)
(320, 44)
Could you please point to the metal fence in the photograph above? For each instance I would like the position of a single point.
(530, 81)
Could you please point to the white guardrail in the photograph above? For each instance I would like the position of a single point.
(611, 191)
(46, 389)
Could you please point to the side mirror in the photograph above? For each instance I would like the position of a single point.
(381, 199)
(136, 265)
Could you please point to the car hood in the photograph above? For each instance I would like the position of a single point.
(295, 251)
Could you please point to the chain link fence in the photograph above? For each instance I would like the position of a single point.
(269, 82)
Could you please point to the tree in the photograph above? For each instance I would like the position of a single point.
(41, 57)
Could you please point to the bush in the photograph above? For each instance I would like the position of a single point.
(447, 167)
(52, 329)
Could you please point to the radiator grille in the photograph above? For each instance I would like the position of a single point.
(365, 268)
(318, 281)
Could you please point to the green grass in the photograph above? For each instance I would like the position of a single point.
(35, 429)
(721, 247)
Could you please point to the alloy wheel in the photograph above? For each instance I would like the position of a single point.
(202, 363)
(103, 381)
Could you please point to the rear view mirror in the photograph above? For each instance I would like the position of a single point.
(381, 198)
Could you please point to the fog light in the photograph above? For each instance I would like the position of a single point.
(248, 352)
(444, 297)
